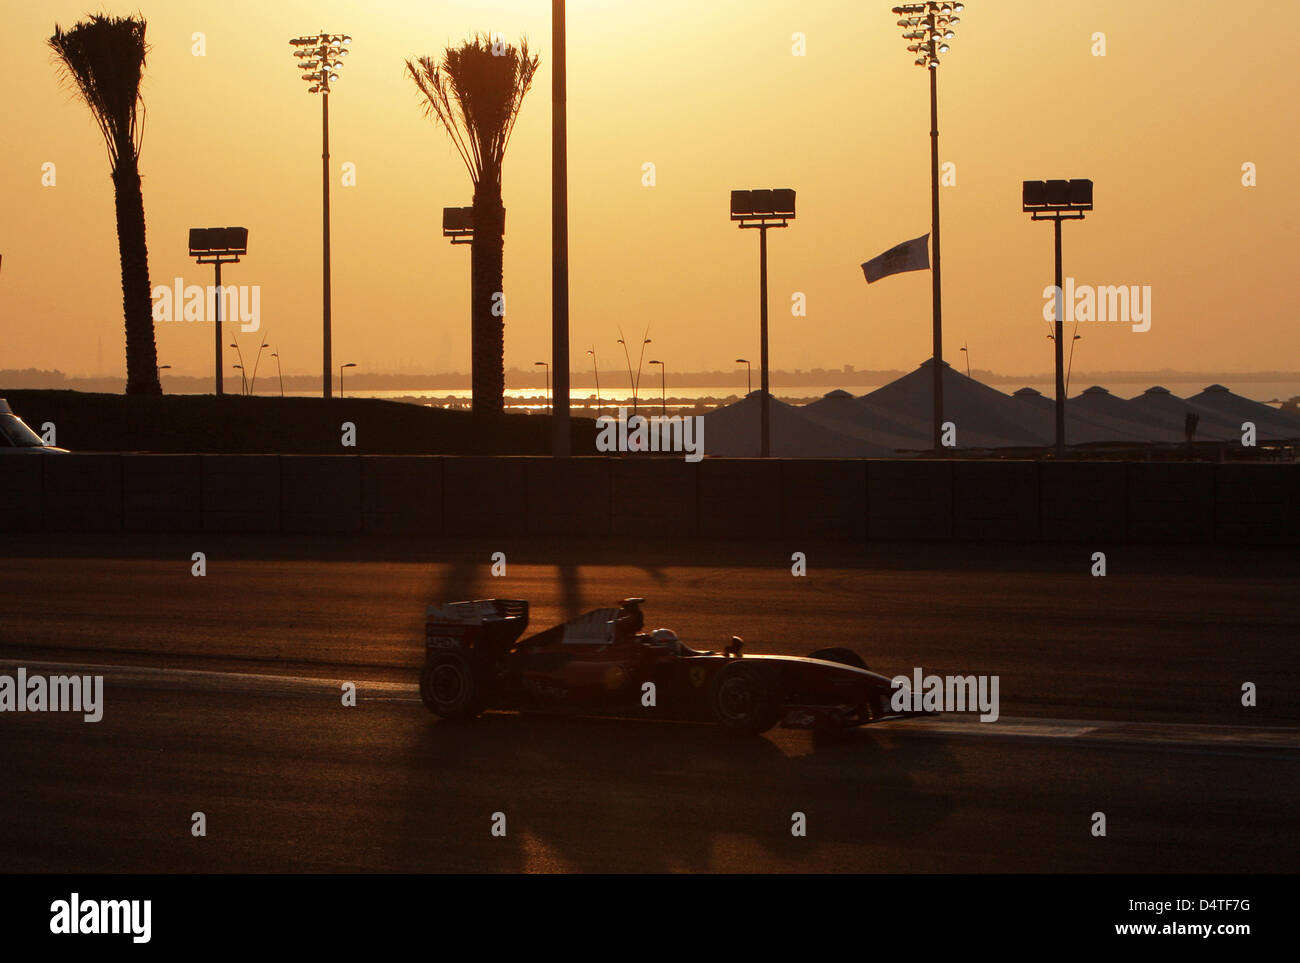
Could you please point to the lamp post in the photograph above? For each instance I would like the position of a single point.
(547, 396)
(257, 361)
(763, 210)
(319, 59)
(218, 246)
(749, 375)
(243, 376)
(929, 27)
(1057, 201)
(635, 382)
(350, 364)
(279, 371)
(596, 370)
(630, 382)
(966, 351)
(663, 386)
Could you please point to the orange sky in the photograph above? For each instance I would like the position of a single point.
(709, 92)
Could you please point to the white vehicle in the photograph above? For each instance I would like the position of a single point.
(17, 439)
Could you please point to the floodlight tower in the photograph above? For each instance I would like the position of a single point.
(763, 210)
(929, 28)
(1058, 201)
(320, 58)
(218, 246)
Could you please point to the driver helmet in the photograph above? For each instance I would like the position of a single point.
(663, 636)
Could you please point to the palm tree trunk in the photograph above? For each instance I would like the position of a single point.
(487, 338)
(137, 303)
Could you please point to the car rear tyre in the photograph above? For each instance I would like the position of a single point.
(839, 654)
(449, 687)
(743, 699)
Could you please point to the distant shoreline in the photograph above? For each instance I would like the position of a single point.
(734, 381)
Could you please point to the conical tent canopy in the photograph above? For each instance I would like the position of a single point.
(841, 411)
(1161, 405)
(984, 416)
(735, 431)
(1082, 427)
(1270, 423)
(1097, 403)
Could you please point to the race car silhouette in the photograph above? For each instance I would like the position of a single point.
(602, 663)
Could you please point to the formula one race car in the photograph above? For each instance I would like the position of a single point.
(603, 663)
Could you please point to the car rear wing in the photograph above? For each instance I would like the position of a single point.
(482, 624)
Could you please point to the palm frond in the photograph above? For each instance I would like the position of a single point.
(476, 94)
(102, 58)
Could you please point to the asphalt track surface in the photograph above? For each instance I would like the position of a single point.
(1119, 695)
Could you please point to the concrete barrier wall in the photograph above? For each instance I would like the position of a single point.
(1256, 503)
(1083, 501)
(824, 499)
(401, 494)
(81, 493)
(995, 501)
(21, 494)
(910, 500)
(159, 493)
(238, 493)
(1096, 502)
(1171, 502)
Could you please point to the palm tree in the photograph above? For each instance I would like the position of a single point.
(102, 59)
(475, 94)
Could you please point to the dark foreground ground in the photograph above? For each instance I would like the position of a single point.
(89, 421)
(1119, 695)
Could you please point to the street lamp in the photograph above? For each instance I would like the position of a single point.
(966, 351)
(763, 210)
(252, 384)
(663, 386)
(320, 58)
(243, 377)
(218, 246)
(547, 396)
(596, 369)
(240, 369)
(350, 364)
(279, 371)
(634, 382)
(1057, 201)
(749, 375)
(929, 28)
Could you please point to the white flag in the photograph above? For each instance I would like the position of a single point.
(913, 255)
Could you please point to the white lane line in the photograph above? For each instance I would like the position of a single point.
(152, 677)
(1171, 734)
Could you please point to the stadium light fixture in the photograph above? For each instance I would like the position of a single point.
(763, 210)
(929, 27)
(218, 246)
(320, 58)
(1057, 201)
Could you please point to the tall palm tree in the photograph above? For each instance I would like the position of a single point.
(102, 58)
(475, 94)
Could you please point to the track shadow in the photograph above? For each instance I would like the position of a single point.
(615, 795)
